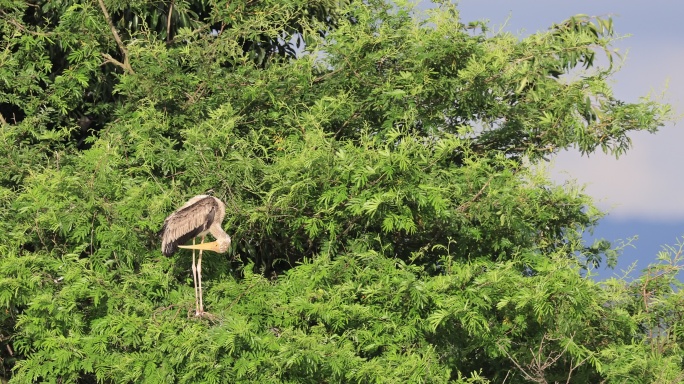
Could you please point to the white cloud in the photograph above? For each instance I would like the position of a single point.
(646, 183)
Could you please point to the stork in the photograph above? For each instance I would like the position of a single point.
(200, 215)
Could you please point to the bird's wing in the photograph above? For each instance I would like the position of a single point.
(187, 222)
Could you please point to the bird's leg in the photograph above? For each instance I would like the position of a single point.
(199, 277)
(194, 279)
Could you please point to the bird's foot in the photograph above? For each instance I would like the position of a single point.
(204, 315)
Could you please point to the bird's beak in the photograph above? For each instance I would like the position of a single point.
(213, 246)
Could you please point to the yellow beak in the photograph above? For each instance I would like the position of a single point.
(213, 246)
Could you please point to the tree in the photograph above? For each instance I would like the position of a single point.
(387, 218)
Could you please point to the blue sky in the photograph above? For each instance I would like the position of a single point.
(643, 191)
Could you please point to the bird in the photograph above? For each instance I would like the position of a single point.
(199, 216)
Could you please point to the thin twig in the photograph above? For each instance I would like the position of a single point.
(321, 77)
(21, 27)
(527, 375)
(505, 378)
(575, 366)
(465, 205)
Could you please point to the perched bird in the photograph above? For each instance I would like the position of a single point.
(200, 215)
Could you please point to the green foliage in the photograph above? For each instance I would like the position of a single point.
(378, 167)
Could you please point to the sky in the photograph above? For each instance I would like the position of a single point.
(643, 191)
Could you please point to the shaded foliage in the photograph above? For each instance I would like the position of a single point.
(380, 170)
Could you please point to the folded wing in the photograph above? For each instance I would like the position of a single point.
(191, 220)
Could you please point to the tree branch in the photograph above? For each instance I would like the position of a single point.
(168, 23)
(522, 370)
(463, 207)
(110, 59)
(125, 65)
(21, 27)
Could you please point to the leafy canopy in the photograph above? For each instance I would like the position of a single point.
(378, 167)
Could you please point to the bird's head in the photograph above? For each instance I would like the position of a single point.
(223, 245)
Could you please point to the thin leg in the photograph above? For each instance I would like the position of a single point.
(194, 280)
(199, 277)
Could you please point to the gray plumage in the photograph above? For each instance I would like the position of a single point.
(200, 215)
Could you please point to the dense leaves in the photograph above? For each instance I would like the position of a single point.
(379, 166)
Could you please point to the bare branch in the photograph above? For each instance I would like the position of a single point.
(463, 207)
(168, 23)
(522, 370)
(110, 59)
(575, 366)
(21, 27)
(125, 65)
